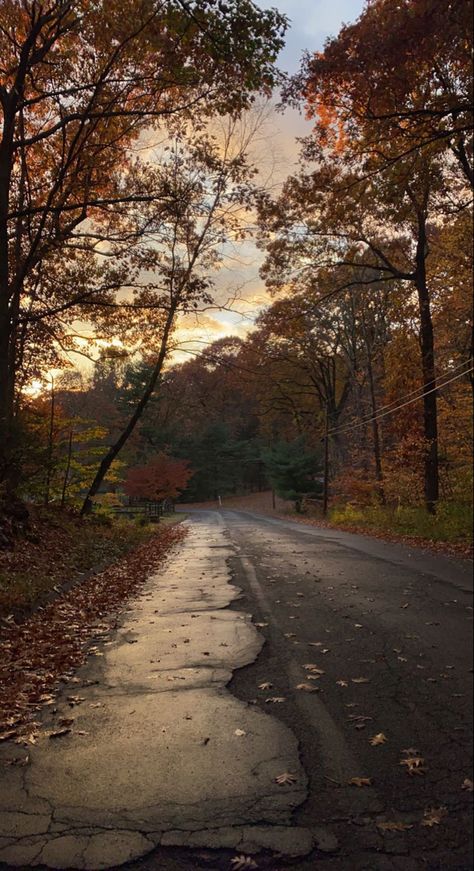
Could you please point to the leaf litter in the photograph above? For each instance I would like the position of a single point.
(39, 654)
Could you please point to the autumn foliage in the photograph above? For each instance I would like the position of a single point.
(162, 478)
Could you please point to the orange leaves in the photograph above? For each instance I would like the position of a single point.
(53, 642)
(163, 478)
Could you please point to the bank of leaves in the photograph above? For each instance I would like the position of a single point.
(43, 652)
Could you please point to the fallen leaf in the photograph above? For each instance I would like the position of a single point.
(58, 733)
(342, 683)
(240, 733)
(379, 739)
(275, 700)
(414, 765)
(360, 781)
(21, 761)
(307, 688)
(240, 863)
(265, 686)
(5, 736)
(360, 680)
(468, 785)
(394, 826)
(286, 778)
(434, 816)
(261, 625)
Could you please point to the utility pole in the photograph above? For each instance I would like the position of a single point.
(49, 462)
(326, 465)
(68, 467)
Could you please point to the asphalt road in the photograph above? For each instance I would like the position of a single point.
(401, 620)
(382, 635)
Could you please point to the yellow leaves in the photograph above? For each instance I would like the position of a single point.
(434, 817)
(378, 740)
(360, 782)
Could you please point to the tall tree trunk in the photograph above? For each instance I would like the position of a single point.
(5, 409)
(115, 449)
(430, 401)
(375, 423)
(67, 470)
(49, 462)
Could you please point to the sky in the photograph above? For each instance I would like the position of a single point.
(311, 23)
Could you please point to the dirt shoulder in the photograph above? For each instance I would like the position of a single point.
(42, 651)
(59, 550)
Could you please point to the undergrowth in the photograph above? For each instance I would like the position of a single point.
(60, 549)
(452, 522)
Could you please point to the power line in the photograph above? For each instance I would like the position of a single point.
(398, 407)
(416, 391)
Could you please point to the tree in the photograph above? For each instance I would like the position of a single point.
(79, 84)
(207, 188)
(293, 471)
(401, 76)
(164, 477)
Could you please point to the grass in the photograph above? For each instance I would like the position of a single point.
(61, 550)
(451, 524)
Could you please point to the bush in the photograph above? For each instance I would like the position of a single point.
(453, 521)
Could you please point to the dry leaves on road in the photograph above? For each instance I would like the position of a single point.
(434, 817)
(415, 765)
(378, 740)
(307, 688)
(360, 781)
(285, 779)
(275, 700)
(265, 686)
(242, 863)
(394, 826)
(42, 652)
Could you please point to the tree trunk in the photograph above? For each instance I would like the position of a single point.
(375, 423)
(49, 462)
(430, 401)
(115, 449)
(5, 410)
(68, 468)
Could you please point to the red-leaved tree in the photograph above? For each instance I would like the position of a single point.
(163, 478)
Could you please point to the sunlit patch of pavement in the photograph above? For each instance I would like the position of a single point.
(159, 751)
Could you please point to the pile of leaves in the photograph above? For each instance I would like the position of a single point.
(56, 550)
(42, 652)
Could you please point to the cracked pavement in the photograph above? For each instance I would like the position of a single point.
(155, 753)
(153, 772)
